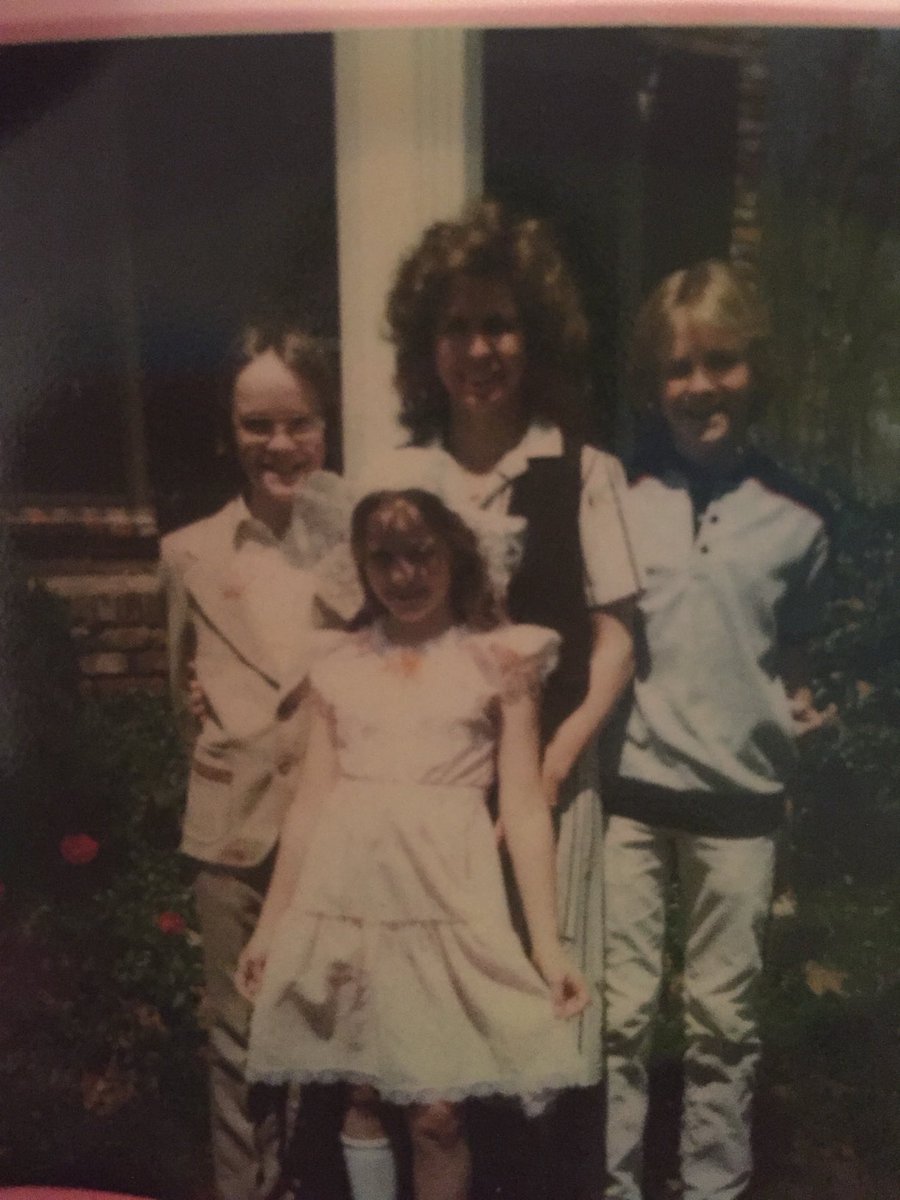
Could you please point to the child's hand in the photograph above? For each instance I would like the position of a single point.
(806, 717)
(250, 969)
(568, 988)
(197, 703)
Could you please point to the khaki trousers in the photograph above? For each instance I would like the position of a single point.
(726, 887)
(248, 1124)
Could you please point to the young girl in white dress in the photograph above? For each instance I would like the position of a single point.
(384, 954)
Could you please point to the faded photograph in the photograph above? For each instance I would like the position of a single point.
(450, 615)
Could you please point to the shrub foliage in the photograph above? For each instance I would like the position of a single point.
(101, 1071)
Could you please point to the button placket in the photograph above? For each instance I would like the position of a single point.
(709, 518)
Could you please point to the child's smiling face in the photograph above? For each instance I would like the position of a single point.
(706, 393)
(408, 570)
(278, 429)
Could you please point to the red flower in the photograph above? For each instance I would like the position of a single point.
(79, 848)
(171, 922)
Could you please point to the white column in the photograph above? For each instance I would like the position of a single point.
(408, 113)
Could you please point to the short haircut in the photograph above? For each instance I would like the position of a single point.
(472, 599)
(721, 294)
(307, 356)
(520, 252)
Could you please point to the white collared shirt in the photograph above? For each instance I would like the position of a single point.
(274, 584)
(483, 499)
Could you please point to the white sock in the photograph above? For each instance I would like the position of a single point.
(370, 1168)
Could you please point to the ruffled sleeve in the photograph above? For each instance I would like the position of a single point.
(516, 659)
(318, 646)
(321, 515)
(337, 582)
(325, 646)
(323, 643)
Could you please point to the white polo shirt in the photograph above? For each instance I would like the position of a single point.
(724, 589)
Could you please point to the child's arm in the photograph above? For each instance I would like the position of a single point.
(796, 674)
(318, 777)
(611, 669)
(180, 640)
(529, 836)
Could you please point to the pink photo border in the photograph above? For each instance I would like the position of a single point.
(33, 21)
(65, 20)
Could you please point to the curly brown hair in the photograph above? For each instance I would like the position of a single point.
(714, 292)
(472, 599)
(520, 252)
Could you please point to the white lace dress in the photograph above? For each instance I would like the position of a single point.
(396, 963)
(483, 502)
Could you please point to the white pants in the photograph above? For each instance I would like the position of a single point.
(726, 886)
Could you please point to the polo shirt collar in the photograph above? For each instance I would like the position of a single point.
(249, 528)
(657, 456)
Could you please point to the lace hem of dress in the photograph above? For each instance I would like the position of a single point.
(534, 1101)
(368, 919)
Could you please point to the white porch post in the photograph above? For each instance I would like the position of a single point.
(408, 114)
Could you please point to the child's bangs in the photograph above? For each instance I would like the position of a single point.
(724, 297)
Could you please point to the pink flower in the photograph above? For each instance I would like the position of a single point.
(170, 922)
(79, 848)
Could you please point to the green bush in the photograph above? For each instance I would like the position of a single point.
(102, 1068)
(848, 789)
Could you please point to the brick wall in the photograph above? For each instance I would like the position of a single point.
(753, 87)
(747, 46)
(118, 627)
(102, 562)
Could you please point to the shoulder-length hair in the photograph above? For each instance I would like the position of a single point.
(713, 292)
(520, 252)
(472, 599)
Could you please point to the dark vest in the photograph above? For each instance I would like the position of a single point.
(548, 587)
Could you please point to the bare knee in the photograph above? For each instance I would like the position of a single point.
(436, 1126)
(362, 1118)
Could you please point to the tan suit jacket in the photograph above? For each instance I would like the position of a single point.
(246, 756)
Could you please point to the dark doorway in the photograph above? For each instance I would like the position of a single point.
(690, 161)
(628, 146)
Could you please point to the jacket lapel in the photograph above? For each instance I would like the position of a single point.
(216, 596)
